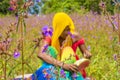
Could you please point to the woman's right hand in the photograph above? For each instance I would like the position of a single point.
(70, 67)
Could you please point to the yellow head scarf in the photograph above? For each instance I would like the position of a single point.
(60, 22)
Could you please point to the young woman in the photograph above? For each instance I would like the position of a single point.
(57, 63)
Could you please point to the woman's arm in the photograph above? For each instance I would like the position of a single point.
(85, 51)
(47, 58)
(79, 42)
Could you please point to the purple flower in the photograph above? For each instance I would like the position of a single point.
(89, 48)
(74, 76)
(10, 8)
(44, 28)
(9, 40)
(115, 57)
(16, 54)
(62, 73)
(113, 17)
(38, 0)
(45, 47)
(115, 24)
(47, 31)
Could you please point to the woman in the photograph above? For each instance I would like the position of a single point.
(55, 66)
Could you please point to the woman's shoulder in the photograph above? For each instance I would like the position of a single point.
(48, 40)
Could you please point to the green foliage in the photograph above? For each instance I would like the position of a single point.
(92, 5)
(60, 5)
(110, 5)
(68, 6)
(75, 6)
(4, 5)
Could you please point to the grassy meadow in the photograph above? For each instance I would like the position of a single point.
(101, 39)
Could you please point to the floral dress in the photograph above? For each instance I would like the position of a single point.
(50, 72)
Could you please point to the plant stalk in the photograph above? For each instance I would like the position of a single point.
(22, 46)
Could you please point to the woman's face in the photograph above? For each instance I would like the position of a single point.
(65, 32)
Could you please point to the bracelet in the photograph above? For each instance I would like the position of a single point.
(62, 64)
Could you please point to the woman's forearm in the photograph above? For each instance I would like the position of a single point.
(85, 51)
(47, 58)
(82, 48)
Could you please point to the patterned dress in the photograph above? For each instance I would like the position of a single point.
(50, 72)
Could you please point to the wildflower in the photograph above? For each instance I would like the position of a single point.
(13, 5)
(113, 17)
(16, 54)
(38, 0)
(74, 76)
(9, 40)
(115, 57)
(44, 49)
(62, 73)
(46, 31)
(89, 48)
(10, 8)
(115, 25)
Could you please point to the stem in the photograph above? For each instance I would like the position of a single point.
(22, 42)
(118, 23)
(110, 21)
(1, 65)
(4, 66)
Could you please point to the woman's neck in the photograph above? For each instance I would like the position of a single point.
(61, 40)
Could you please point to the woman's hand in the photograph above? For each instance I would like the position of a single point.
(70, 67)
(87, 54)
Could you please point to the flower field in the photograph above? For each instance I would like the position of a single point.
(101, 39)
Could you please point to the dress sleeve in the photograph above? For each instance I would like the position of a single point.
(46, 43)
(48, 40)
(76, 44)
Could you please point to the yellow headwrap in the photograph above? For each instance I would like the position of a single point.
(60, 22)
